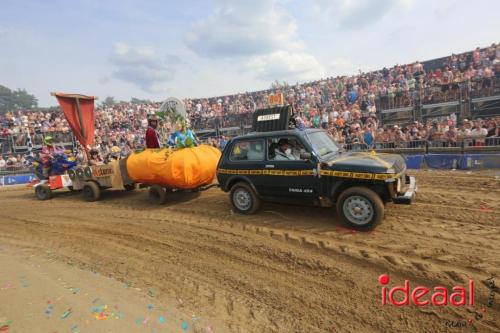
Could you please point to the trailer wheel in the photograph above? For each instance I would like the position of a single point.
(157, 195)
(360, 207)
(129, 187)
(91, 191)
(43, 192)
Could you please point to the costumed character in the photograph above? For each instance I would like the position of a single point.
(152, 137)
(37, 167)
(61, 163)
(51, 161)
(48, 152)
(183, 137)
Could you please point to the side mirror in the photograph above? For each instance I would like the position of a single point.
(305, 156)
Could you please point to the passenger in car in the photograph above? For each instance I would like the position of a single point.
(284, 151)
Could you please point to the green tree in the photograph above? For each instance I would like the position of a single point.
(24, 100)
(13, 100)
(139, 101)
(109, 101)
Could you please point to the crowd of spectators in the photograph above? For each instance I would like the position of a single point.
(462, 76)
(347, 106)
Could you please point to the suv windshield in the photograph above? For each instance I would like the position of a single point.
(322, 144)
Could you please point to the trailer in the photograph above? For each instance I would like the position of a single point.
(163, 170)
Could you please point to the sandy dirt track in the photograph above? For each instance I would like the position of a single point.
(42, 295)
(286, 269)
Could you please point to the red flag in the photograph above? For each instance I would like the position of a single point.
(79, 111)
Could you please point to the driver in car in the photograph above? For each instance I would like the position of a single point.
(284, 152)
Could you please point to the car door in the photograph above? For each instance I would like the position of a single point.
(289, 176)
(247, 159)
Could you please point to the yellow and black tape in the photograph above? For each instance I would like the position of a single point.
(294, 173)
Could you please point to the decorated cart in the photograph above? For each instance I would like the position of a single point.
(185, 166)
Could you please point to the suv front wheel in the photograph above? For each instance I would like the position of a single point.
(244, 199)
(360, 207)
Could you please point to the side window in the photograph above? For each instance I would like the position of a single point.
(248, 150)
(284, 149)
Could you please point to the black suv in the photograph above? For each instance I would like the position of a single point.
(307, 167)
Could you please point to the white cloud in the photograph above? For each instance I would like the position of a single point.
(285, 65)
(341, 66)
(355, 14)
(142, 66)
(258, 36)
(243, 28)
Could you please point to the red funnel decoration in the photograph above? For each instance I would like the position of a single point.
(79, 111)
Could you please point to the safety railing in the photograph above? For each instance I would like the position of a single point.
(19, 143)
(469, 144)
(356, 146)
(438, 93)
(4, 145)
(230, 120)
(14, 169)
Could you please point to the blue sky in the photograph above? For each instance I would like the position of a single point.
(156, 49)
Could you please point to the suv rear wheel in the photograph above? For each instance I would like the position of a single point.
(244, 199)
(360, 207)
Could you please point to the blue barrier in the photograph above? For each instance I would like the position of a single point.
(480, 161)
(443, 161)
(414, 161)
(453, 161)
(16, 179)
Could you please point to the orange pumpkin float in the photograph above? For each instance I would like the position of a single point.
(185, 168)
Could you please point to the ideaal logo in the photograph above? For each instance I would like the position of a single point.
(438, 296)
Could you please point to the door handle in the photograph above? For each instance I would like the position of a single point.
(269, 166)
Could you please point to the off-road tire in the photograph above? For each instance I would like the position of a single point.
(130, 187)
(368, 204)
(43, 192)
(91, 191)
(157, 195)
(244, 199)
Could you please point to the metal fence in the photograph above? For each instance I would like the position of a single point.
(14, 169)
(438, 93)
(18, 143)
(478, 144)
(225, 121)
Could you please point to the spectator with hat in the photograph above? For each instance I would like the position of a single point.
(152, 136)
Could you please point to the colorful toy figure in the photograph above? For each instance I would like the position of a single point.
(56, 165)
(183, 137)
(48, 150)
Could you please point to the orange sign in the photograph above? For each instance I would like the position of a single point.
(102, 171)
(275, 99)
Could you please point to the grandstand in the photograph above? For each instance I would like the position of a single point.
(399, 95)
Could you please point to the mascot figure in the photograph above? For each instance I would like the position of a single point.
(183, 137)
(52, 161)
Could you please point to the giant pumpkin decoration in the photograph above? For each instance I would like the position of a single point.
(185, 168)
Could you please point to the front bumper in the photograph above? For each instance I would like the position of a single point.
(406, 197)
